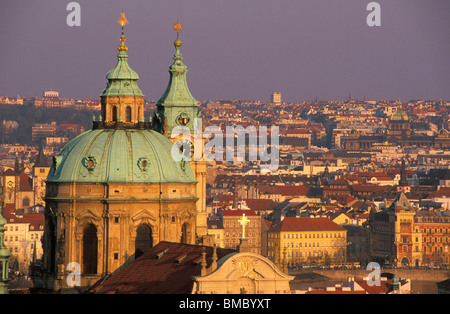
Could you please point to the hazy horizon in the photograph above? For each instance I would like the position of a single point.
(233, 49)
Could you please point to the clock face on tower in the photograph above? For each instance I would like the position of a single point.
(186, 147)
(10, 184)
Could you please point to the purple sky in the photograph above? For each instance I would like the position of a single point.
(242, 49)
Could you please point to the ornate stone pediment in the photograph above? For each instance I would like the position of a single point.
(88, 215)
(243, 273)
(144, 216)
(186, 213)
(245, 267)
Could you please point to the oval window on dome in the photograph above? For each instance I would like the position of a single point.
(90, 163)
(143, 163)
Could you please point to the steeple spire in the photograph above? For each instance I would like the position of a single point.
(41, 159)
(176, 106)
(178, 57)
(122, 21)
(17, 164)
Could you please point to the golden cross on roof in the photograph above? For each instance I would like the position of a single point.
(177, 27)
(122, 19)
(244, 221)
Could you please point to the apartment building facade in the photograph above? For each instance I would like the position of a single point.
(294, 241)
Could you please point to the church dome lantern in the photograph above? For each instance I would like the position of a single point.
(122, 101)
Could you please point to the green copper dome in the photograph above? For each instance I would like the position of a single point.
(399, 115)
(122, 70)
(119, 155)
(122, 152)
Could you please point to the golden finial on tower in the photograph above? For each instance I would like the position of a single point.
(122, 21)
(177, 27)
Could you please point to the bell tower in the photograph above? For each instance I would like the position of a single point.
(178, 108)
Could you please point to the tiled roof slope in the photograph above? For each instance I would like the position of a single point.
(239, 212)
(166, 268)
(306, 224)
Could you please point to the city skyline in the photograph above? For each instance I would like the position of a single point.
(303, 49)
(116, 193)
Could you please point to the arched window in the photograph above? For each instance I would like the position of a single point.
(144, 240)
(114, 114)
(186, 233)
(26, 202)
(128, 114)
(90, 249)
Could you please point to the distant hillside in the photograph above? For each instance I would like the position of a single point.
(28, 115)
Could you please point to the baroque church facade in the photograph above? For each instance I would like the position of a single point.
(116, 191)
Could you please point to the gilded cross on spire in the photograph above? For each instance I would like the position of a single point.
(177, 27)
(122, 21)
(244, 221)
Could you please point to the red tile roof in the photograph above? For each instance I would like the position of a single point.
(36, 221)
(155, 273)
(381, 289)
(260, 204)
(9, 173)
(239, 212)
(285, 190)
(25, 182)
(369, 175)
(293, 190)
(8, 210)
(395, 171)
(297, 131)
(306, 224)
(340, 181)
(442, 192)
(268, 189)
(267, 222)
(367, 187)
(225, 198)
